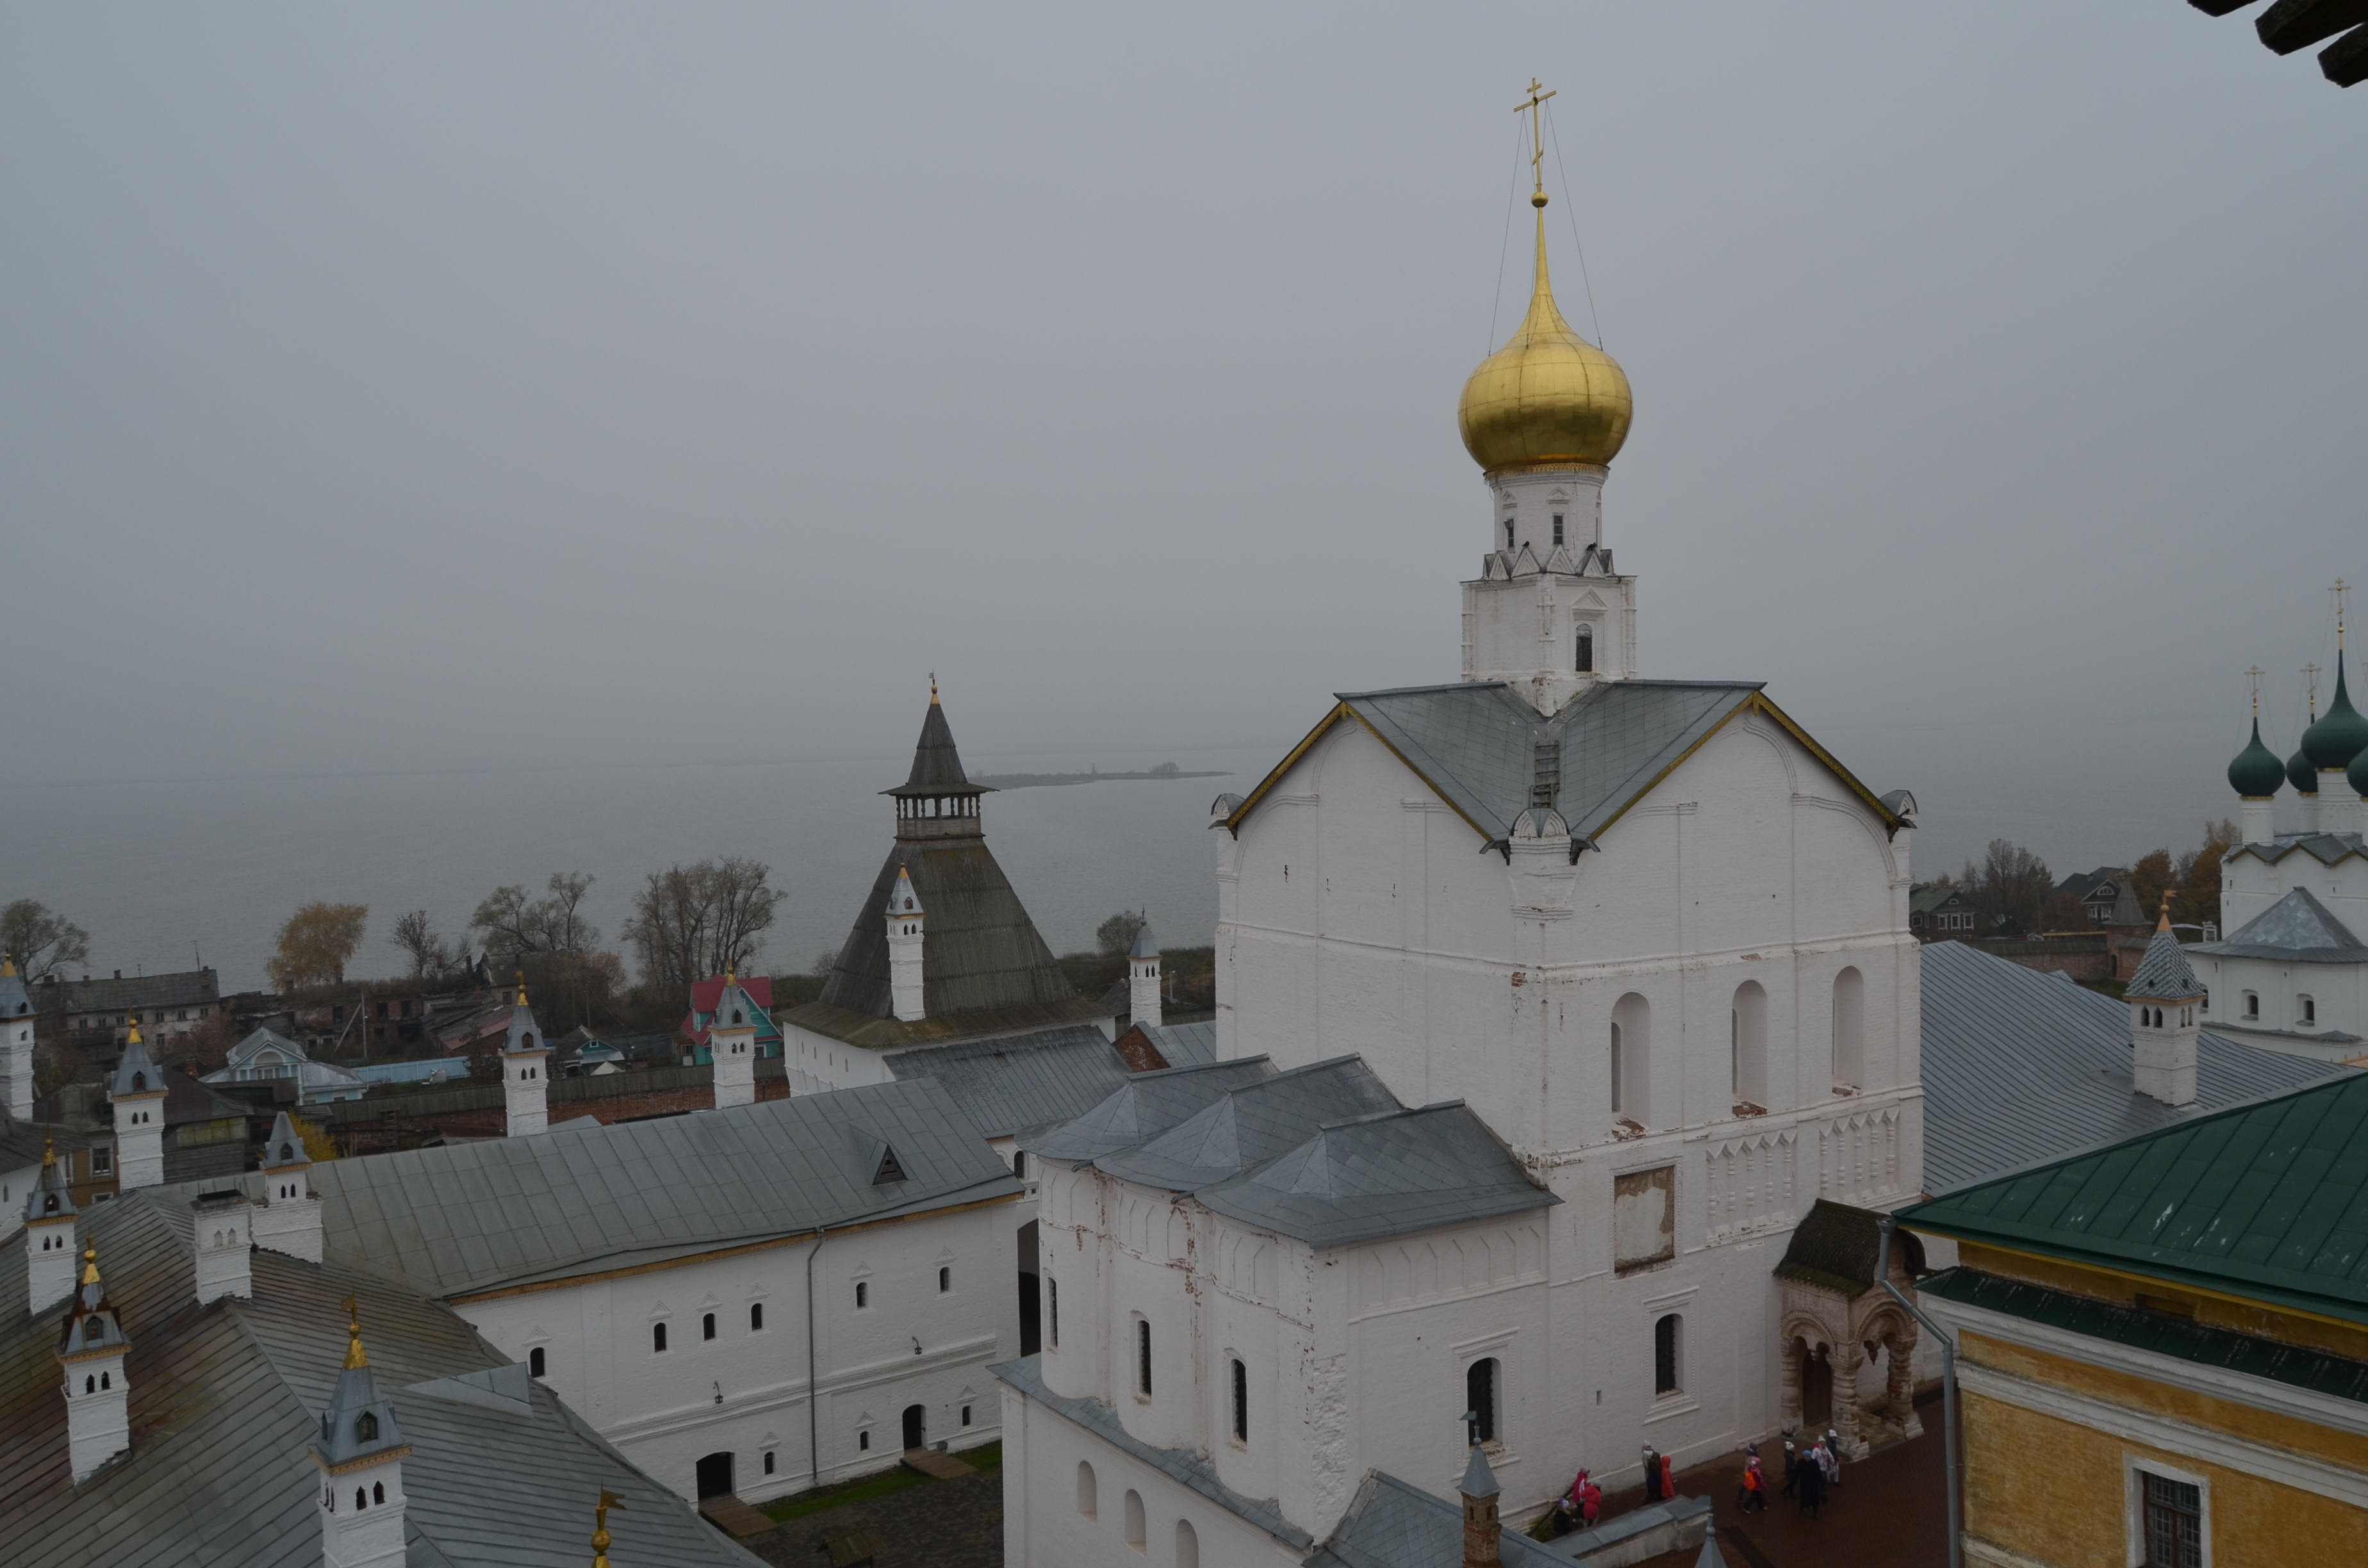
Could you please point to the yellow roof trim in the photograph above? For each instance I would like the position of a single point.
(1343, 710)
(2136, 1277)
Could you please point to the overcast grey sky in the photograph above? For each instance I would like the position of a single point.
(477, 386)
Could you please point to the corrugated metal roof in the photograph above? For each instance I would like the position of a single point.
(2267, 1200)
(1391, 1523)
(984, 965)
(2183, 1339)
(2296, 929)
(224, 1404)
(473, 1217)
(1185, 1045)
(1180, 1465)
(1014, 1081)
(1322, 1152)
(2020, 1066)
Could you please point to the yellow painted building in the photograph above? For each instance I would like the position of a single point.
(2163, 1345)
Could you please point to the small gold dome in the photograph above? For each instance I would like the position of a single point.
(1548, 397)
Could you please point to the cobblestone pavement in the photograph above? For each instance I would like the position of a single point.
(942, 1524)
(1890, 1511)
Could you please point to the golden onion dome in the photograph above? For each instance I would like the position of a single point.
(1547, 398)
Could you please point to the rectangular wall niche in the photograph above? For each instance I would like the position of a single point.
(1643, 1217)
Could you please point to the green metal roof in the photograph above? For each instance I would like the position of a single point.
(2165, 1335)
(2267, 1200)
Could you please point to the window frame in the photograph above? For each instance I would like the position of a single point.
(2135, 1470)
(1485, 1374)
(1669, 1358)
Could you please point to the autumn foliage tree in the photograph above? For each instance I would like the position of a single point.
(315, 944)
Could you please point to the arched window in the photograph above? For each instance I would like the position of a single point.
(366, 1427)
(1850, 1028)
(1668, 1345)
(757, 1317)
(1135, 1531)
(361, 1499)
(378, 1492)
(107, 1379)
(1241, 1403)
(945, 1280)
(657, 1337)
(534, 1362)
(89, 1385)
(140, 1080)
(1086, 1494)
(1509, 536)
(1142, 1356)
(1188, 1545)
(1632, 1039)
(707, 1325)
(862, 1295)
(1747, 1042)
(1480, 1398)
(1585, 660)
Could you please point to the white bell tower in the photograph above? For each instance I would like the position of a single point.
(2165, 1002)
(90, 1352)
(288, 1218)
(732, 1042)
(525, 1057)
(49, 1236)
(359, 1456)
(137, 1096)
(904, 915)
(1143, 977)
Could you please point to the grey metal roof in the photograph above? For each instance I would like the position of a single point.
(2021, 1066)
(1146, 946)
(473, 1217)
(1322, 1152)
(2325, 847)
(21, 1143)
(1185, 1045)
(984, 965)
(14, 1001)
(1180, 1465)
(2163, 973)
(1146, 1106)
(1479, 1481)
(1482, 746)
(225, 1400)
(1391, 1523)
(1014, 1081)
(2296, 929)
(136, 1072)
(936, 766)
(284, 1149)
(186, 988)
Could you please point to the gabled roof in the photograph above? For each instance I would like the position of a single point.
(2268, 1201)
(1477, 745)
(1929, 896)
(2021, 1066)
(1185, 1045)
(226, 1399)
(2327, 849)
(1390, 1524)
(2296, 929)
(1322, 1152)
(984, 969)
(1014, 1081)
(476, 1217)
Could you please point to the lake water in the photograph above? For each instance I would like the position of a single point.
(158, 870)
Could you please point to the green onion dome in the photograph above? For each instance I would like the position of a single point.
(2301, 774)
(2257, 770)
(2357, 775)
(2340, 734)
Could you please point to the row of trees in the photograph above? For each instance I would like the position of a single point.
(2014, 892)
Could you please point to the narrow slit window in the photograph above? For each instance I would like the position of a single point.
(1241, 1403)
(1142, 1356)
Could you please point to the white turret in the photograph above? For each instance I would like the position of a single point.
(525, 1057)
(1143, 977)
(49, 1236)
(2164, 1000)
(225, 1244)
(731, 1041)
(90, 1353)
(904, 915)
(359, 1456)
(137, 1092)
(288, 1218)
(15, 1043)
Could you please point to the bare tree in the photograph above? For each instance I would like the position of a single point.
(513, 926)
(43, 944)
(691, 921)
(2009, 886)
(432, 957)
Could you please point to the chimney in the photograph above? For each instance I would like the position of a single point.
(225, 1223)
(1482, 1534)
(1143, 978)
(2165, 1003)
(288, 1218)
(49, 1236)
(904, 915)
(90, 1352)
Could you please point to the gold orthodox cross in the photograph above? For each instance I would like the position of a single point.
(2254, 676)
(2341, 588)
(1537, 158)
(2310, 672)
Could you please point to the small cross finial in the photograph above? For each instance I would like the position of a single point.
(933, 688)
(2342, 587)
(1537, 142)
(600, 1538)
(521, 986)
(2310, 672)
(354, 1356)
(90, 1263)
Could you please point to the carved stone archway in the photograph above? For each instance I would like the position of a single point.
(1833, 1320)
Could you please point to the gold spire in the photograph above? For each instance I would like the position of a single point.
(135, 1030)
(354, 1355)
(7, 966)
(933, 688)
(1548, 398)
(49, 1150)
(601, 1526)
(2164, 925)
(521, 986)
(1537, 158)
(90, 1263)
(730, 979)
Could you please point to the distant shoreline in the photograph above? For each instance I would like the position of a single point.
(1035, 780)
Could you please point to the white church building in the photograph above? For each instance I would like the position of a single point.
(1638, 948)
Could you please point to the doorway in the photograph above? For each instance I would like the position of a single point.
(1817, 1388)
(714, 1475)
(917, 1433)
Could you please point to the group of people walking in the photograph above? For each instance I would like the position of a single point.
(1810, 1474)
